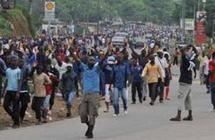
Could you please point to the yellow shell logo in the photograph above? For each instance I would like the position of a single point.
(50, 6)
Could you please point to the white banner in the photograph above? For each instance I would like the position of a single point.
(189, 24)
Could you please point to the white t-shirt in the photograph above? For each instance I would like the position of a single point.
(206, 67)
(61, 69)
(162, 63)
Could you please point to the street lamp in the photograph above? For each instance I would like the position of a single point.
(199, 3)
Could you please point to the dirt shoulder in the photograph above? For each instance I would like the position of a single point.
(58, 113)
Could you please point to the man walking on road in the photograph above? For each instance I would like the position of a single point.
(121, 76)
(40, 80)
(185, 82)
(212, 79)
(68, 88)
(12, 87)
(91, 88)
(161, 61)
(137, 82)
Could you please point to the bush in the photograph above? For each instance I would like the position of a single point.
(5, 27)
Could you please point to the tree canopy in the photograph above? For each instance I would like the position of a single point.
(157, 11)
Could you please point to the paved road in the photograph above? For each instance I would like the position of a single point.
(142, 123)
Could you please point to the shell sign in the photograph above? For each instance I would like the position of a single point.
(50, 6)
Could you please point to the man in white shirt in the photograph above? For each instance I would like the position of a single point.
(206, 73)
(61, 67)
(161, 61)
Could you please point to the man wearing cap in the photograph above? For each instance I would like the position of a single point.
(68, 88)
(108, 79)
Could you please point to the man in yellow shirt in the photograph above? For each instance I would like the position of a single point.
(153, 72)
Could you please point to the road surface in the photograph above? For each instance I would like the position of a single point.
(143, 122)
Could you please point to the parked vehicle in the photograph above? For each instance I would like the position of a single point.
(120, 38)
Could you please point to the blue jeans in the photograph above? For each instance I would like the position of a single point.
(117, 94)
(69, 98)
(46, 102)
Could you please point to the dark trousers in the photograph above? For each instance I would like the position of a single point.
(1, 91)
(137, 87)
(1, 94)
(102, 86)
(24, 100)
(175, 61)
(11, 99)
(213, 100)
(160, 89)
(212, 88)
(207, 82)
(37, 104)
(76, 86)
(52, 98)
(152, 91)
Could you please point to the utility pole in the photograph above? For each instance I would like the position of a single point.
(183, 19)
(194, 31)
(98, 11)
(88, 7)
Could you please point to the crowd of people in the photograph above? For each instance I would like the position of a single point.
(93, 73)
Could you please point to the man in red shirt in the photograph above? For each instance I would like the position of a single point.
(212, 79)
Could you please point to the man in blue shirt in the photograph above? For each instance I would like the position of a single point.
(91, 88)
(137, 82)
(120, 77)
(12, 87)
